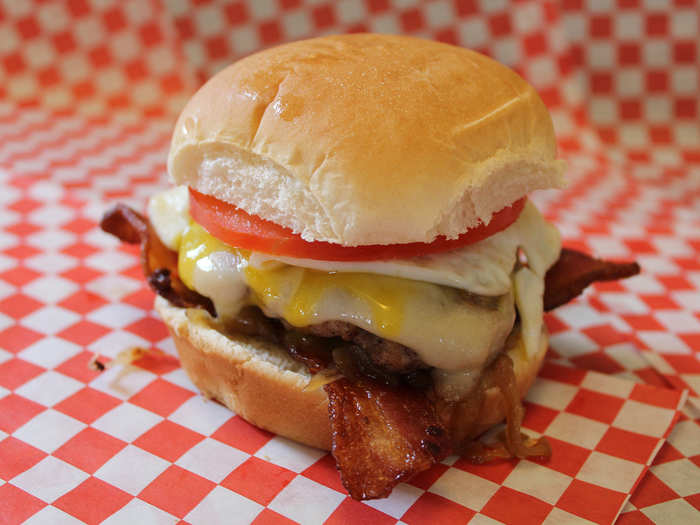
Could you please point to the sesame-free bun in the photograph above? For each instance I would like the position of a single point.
(261, 383)
(367, 139)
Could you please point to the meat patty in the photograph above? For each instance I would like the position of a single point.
(387, 355)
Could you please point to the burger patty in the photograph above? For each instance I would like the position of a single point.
(318, 346)
(392, 357)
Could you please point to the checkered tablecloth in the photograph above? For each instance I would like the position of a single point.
(89, 90)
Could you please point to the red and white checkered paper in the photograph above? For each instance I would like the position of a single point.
(90, 89)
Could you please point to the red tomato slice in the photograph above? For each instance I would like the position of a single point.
(234, 226)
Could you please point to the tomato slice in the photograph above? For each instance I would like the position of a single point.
(234, 226)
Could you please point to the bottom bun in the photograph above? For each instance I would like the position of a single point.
(265, 386)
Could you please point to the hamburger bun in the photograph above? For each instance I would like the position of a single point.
(335, 137)
(266, 387)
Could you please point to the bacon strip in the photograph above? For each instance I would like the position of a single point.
(574, 271)
(382, 436)
(158, 261)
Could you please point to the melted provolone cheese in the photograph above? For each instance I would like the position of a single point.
(169, 213)
(529, 290)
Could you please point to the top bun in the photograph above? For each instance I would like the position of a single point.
(367, 139)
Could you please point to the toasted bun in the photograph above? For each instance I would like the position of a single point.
(262, 384)
(367, 139)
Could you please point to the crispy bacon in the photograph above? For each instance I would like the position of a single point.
(382, 436)
(158, 261)
(575, 270)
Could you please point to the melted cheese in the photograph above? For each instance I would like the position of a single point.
(382, 299)
(453, 309)
(483, 268)
(448, 328)
(529, 290)
(169, 213)
(213, 268)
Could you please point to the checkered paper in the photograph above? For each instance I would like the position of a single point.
(140, 445)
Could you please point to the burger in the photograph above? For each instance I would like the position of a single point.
(349, 258)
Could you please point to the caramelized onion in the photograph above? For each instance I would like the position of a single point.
(251, 321)
(354, 364)
(512, 442)
(309, 349)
